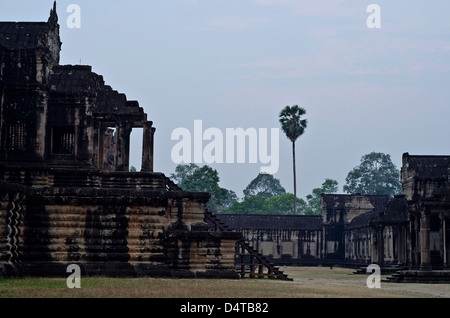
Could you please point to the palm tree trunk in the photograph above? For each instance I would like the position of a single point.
(295, 179)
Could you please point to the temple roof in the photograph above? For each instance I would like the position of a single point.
(271, 222)
(74, 78)
(363, 219)
(427, 167)
(25, 35)
(395, 212)
(339, 201)
(79, 80)
(20, 35)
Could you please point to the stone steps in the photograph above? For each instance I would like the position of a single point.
(248, 262)
(418, 276)
(385, 270)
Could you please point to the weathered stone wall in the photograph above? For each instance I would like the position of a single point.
(339, 210)
(120, 232)
(343, 208)
(58, 205)
(11, 211)
(281, 239)
(426, 185)
(380, 236)
(422, 175)
(284, 245)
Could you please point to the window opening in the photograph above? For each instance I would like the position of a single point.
(63, 141)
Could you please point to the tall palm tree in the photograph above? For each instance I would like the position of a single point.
(293, 126)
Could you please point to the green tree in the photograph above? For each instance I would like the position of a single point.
(313, 199)
(204, 179)
(282, 204)
(264, 185)
(376, 174)
(278, 205)
(293, 126)
(182, 171)
(250, 205)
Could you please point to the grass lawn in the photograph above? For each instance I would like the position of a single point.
(309, 282)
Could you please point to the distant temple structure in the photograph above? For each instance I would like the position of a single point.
(408, 235)
(66, 193)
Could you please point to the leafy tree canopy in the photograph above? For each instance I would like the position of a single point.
(376, 174)
(313, 199)
(193, 178)
(182, 171)
(283, 204)
(264, 186)
(277, 205)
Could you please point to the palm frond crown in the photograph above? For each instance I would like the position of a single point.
(291, 123)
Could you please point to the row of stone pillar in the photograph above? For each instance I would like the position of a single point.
(413, 244)
(122, 146)
(399, 241)
(420, 224)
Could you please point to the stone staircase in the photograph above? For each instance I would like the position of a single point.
(418, 276)
(249, 263)
(401, 274)
(385, 270)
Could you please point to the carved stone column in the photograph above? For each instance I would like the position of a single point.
(401, 244)
(148, 147)
(100, 146)
(444, 241)
(380, 233)
(123, 132)
(377, 245)
(415, 240)
(425, 259)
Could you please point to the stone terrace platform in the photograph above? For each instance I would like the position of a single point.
(419, 276)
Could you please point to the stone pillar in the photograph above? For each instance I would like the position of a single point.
(377, 246)
(380, 233)
(444, 243)
(123, 132)
(425, 259)
(100, 146)
(400, 245)
(2, 98)
(373, 247)
(389, 243)
(41, 123)
(148, 147)
(415, 240)
(408, 249)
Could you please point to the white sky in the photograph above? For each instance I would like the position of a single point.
(237, 63)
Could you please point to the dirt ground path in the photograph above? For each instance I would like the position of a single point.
(344, 279)
(439, 290)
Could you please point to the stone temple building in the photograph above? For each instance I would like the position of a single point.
(408, 234)
(66, 193)
(311, 240)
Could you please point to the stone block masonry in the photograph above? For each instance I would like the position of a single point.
(66, 193)
(114, 232)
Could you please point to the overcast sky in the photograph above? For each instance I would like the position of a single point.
(237, 63)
